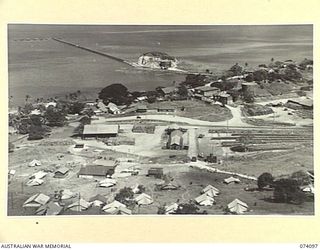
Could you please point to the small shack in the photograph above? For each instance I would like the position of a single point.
(141, 108)
(207, 91)
(156, 172)
(166, 109)
(225, 98)
(169, 90)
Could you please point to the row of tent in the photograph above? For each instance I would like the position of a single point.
(207, 199)
(36, 179)
(207, 196)
(47, 207)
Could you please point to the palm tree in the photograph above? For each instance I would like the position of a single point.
(27, 97)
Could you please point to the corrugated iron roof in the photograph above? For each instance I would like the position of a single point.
(100, 129)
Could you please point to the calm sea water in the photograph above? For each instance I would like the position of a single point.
(44, 68)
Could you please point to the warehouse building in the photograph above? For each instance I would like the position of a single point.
(100, 131)
(143, 128)
(91, 171)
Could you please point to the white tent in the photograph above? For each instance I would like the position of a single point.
(79, 205)
(36, 200)
(204, 200)
(212, 193)
(237, 207)
(34, 182)
(170, 186)
(38, 175)
(231, 179)
(35, 163)
(67, 194)
(124, 211)
(135, 188)
(12, 172)
(52, 208)
(210, 187)
(144, 199)
(170, 209)
(98, 200)
(108, 182)
(113, 207)
(308, 189)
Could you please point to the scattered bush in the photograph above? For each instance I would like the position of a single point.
(264, 180)
(288, 191)
(125, 196)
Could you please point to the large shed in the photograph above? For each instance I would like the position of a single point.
(96, 170)
(100, 131)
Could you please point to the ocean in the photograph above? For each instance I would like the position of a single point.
(40, 67)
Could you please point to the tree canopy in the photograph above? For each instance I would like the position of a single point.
(55, 117)
(264, 180)
(187, 208)
(125, 196)
(116, 93)
(287, 190)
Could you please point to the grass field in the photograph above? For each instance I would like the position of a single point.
(196, 109)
